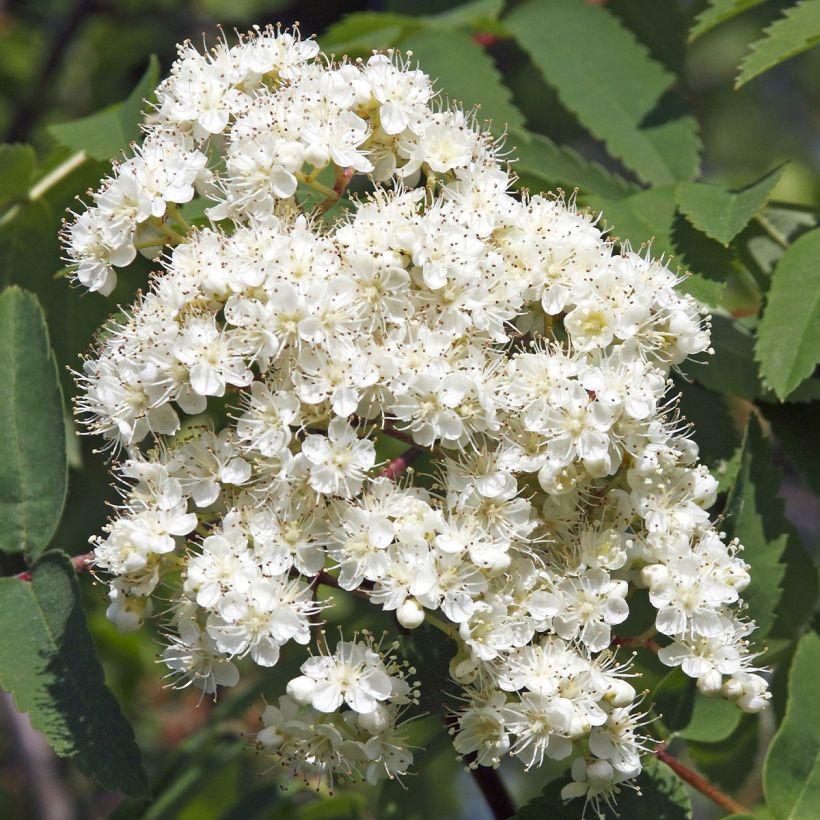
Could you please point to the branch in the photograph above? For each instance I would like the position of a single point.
(396, 468)
(494, 791)
(697, 782)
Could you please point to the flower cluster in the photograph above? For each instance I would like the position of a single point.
(249, 393)
(309, 734)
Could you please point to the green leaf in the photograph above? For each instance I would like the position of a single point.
(712, 720)
(731, 369)
(28, 245)
(795, 427)
(470, 15)
(770, 232)
(651, 215)
(32, 448)
(795, 32)
(464, 72)
(720, 213)
(791, 772)
(754, 515)
(662, 796)
(727, 762)
(49, 664)
(675, 700)
(717, 12)
(541, 164)
(614, 88)
(362, 32)
(107, 133)
(788, 337)
(715, 430)
(17, 163)
(801, 580)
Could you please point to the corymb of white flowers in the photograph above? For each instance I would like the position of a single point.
(365, 272)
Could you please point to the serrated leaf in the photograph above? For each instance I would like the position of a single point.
(661, 26)
(717, 12)
(720, 213)
(771, 231)
(107, 133)
(788, 336)
(364, 31)
(755, 516)
(796, 428)
(715, 430)
(17, 163)
(795, 32)
(538, 159)
(614, 88)
(464, 72)
(32, 448)
(791, 772)
(652, 215)
(731, 369)
(469, 14)
(662, 796)
(49, 664)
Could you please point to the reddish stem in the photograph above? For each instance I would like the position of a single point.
(396, 468)
(697, 782)
(80, 563)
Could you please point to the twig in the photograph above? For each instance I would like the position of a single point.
(697, 782)
(397, 466)
(494, 792)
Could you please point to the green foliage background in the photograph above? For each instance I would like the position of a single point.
(687, 123)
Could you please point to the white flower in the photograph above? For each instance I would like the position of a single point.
(338, 461)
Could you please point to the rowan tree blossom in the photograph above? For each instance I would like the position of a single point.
(248, 393)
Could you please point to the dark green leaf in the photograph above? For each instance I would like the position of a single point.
(360, 33)
(795, 32)
(795, 427)
(109, 132)
(720, 213)
(791, 773)
(541, 164)
(48, 663)
(652, 216)
(661, 26)
(731, 369)
(788, 338)
(801, 580)
(717, 12)
(727, 762)
(772, 229)
(32, 447)
(466, 73)
(754, 515)
(17, 164)
(715, 430)
(614, 88)
(430, 653)
(470, 15)
(28, 245)
(675, 700)
(662, 796)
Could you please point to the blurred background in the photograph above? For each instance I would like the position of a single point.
(63, 59)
